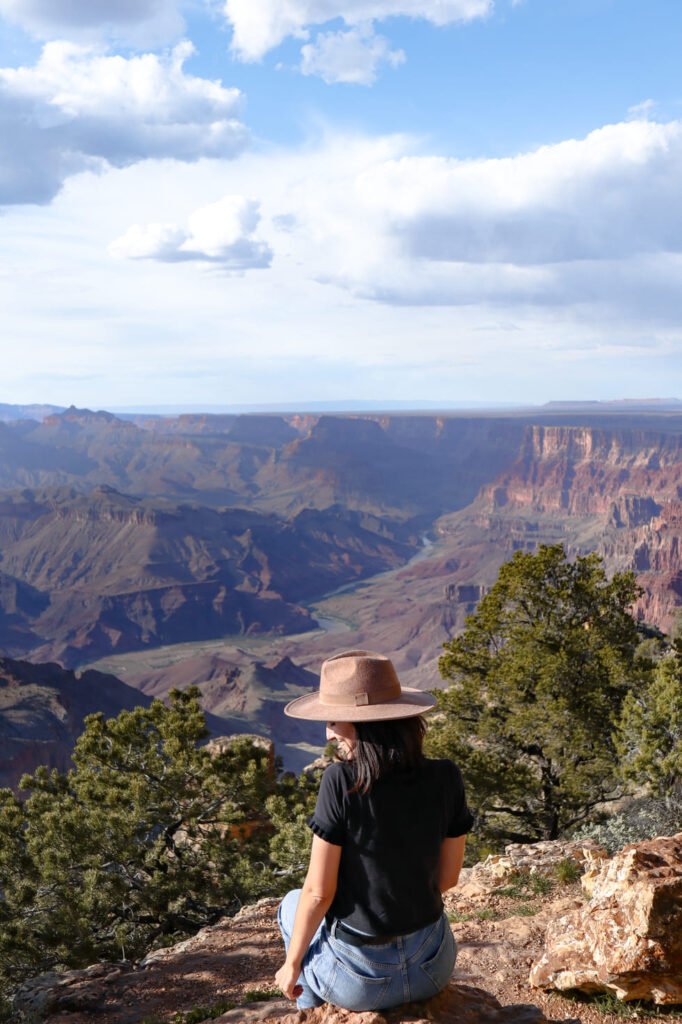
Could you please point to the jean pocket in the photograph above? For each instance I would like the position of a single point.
(438, 967)
(354, 991)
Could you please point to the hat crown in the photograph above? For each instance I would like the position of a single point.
(357, 678)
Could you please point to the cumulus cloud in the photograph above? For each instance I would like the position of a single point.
(132, 19)
(260, 25)
(221, 232)
(612, 194)
(352, 57)
(582, 221)
(341, 217)
(77, 109)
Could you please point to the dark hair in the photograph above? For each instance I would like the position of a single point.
(394, 745)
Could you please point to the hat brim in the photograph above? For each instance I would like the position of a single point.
(411, 702)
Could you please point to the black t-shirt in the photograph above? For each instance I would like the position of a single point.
(391, 839)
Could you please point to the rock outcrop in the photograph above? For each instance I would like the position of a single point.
(540, 858)
(628, 939)
(456, 1004)
(223, 965)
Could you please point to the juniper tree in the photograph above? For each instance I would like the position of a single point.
(650, 729)
(537, 680)
(141, 843)
(289, 810)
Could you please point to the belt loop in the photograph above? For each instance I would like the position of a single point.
(333, 927)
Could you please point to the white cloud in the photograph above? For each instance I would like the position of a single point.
(260, 25)
(612, 194)
(77, 109)
(642, 111)
(571, 223)
(352, 57)
(149, 20)
(388, 322)
(221, 232)
(587, 229)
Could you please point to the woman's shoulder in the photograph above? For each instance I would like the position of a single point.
(338, 774)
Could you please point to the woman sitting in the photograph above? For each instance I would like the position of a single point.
(368, 931)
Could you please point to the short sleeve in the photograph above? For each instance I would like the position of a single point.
(459, 819)
(328, 821)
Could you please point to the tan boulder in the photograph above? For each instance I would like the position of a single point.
(628, 939)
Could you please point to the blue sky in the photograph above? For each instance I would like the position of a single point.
(235, 201)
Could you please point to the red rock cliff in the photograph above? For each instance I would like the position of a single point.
(615, 491)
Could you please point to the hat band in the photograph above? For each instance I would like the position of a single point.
(352, 700)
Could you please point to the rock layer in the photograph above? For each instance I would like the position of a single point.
(628, 939)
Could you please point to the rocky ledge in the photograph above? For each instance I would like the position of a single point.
(509, 915)
(457, 1004)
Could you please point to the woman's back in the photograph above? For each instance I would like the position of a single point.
(391, 839)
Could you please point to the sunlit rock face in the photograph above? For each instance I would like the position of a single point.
(540, 858)
(628, 939)
(616, 491)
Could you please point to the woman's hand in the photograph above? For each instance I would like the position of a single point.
(287, 977)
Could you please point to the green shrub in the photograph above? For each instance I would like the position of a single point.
(609, 1003)
(526, 910)
(487, 914)
(540, 885)
(201, 1013)
(258, 995)
(455, 917)
(567, 871)
(518, 889)
(649, 730)
(548, 653)
(644, 818)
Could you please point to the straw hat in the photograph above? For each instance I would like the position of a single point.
(359, 686)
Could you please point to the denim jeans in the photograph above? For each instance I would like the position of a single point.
(412, 967)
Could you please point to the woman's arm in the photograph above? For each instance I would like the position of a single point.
(450, 862)
(315, 900)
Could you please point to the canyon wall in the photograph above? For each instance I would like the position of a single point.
(402, 465)
(229, 524)
(614, 491)
(87, 574)
(42, 708)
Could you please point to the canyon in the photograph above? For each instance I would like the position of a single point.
(42, 708)
(237, 551)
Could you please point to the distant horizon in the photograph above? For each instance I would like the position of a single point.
(389, 405)
(346, 406)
